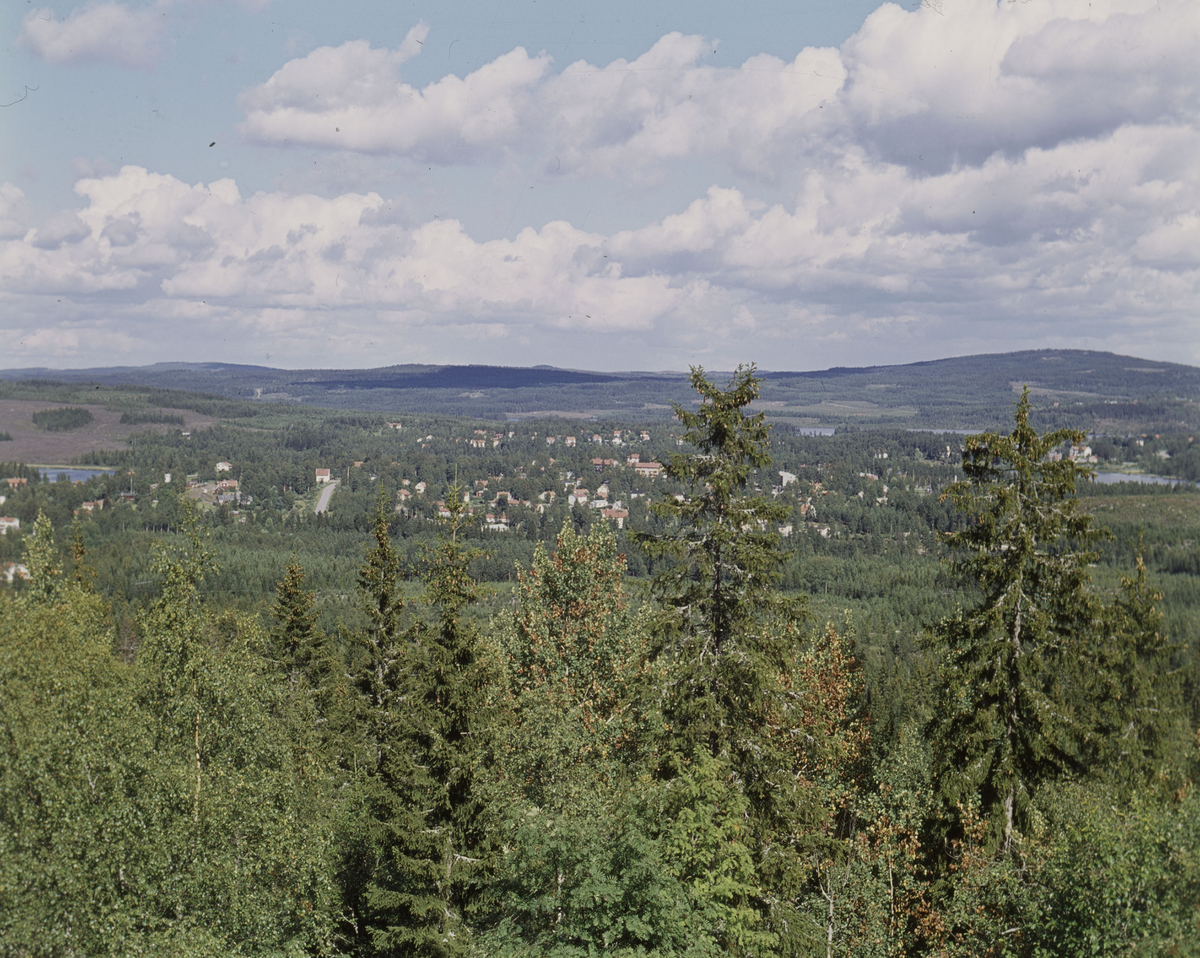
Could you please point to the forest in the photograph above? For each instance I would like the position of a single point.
(517, 692)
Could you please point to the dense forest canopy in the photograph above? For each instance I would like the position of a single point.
(341, 682)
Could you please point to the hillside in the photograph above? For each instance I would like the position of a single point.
(1099, 391)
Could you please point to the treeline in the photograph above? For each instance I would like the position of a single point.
(151, 417)
(711, 771)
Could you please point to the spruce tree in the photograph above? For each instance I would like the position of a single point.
(294, 639)
(1139, 730)
(723, 619)
(432, 836)
(727, 651)
(1012, 666)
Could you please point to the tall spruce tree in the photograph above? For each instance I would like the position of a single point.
(1013, 665)
(724, 618)
(727, 646)
(432, 838)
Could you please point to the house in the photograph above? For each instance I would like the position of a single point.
(479, 443)
(322, 475)
(632, 460)
(226, 485)
(394, 425)
(6, 523)
(13, 570)
(420, 487)
(15, 483)
(358, 463)
(223, 466)
(569, 441)
(597, 438)
(617, 515)
(645, 436)
(648, 469)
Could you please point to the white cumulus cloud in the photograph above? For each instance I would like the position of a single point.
(996, 175)
(929, 89)
(97, 31)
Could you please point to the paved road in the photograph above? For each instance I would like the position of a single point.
(323, 500)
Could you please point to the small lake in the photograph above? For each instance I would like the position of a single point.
(1110, 478)
(73, 473)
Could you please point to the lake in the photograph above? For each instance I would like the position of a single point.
(73, 473)
(1109, 478)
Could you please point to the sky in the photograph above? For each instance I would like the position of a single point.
(630, 185)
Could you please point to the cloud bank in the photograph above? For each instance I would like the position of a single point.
(994, 176)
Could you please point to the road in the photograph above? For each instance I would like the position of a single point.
(323, 499)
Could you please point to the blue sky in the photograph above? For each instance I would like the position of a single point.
(640, 186)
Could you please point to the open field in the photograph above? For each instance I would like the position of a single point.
(106, 431)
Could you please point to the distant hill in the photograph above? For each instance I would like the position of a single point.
(1092, 390)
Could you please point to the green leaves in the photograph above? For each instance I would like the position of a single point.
(153, 806)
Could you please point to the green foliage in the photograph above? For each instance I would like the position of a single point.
(581, 868)
(574, 884)
(572, 651)
(295, 639)
(396, 761)
(62, 420)
(1139, 729)
(726, 552)
(736, 681)
(429, 820)
(150, 417)
(1120, 876)
(43, 562)
(157, 805)
(1013, 665)
(66, 750)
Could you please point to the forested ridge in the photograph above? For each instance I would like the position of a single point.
(1122, 393)
(471, 710)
